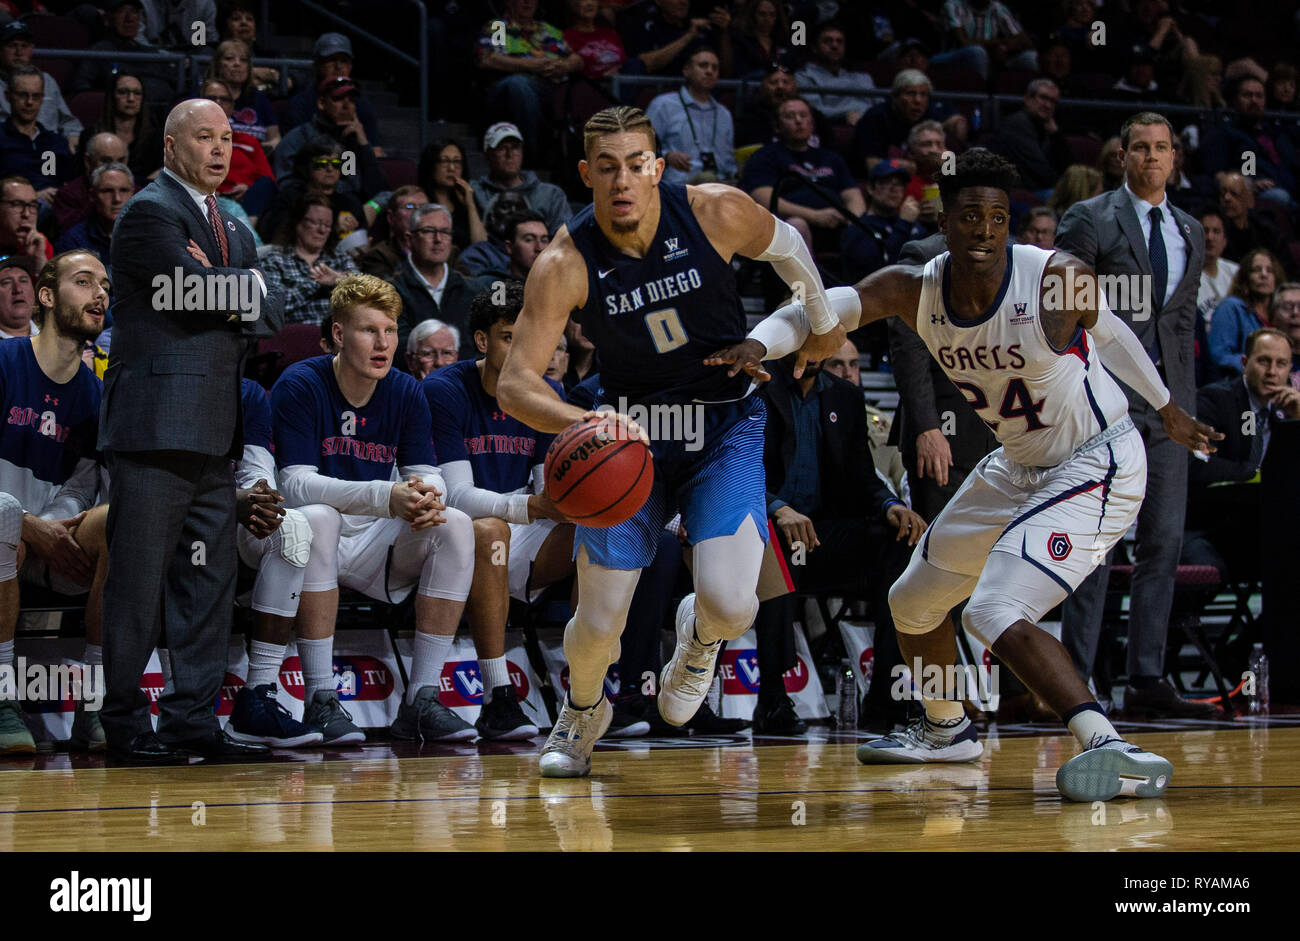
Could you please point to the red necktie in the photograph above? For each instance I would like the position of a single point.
(218, 232)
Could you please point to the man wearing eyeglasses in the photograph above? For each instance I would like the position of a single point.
(426, 282)
(25, 146)
(71, 203)
(16, 47)
(384, 258)
(1032, 140)
(18, 210)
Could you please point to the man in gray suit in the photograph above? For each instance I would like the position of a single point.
(170, 426)
(1134, 230)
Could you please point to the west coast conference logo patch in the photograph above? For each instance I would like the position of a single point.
(1059, 546)
(739, 671)
(356, 677)
(461, 683)
(1022, 314)
(670, 245)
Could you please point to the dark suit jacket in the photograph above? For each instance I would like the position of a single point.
(924, 391)
(172, 381)
(849, 485)
(1104, 232)
(418, 305)
(1224, 405)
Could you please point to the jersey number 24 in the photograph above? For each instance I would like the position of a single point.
(1016, 403)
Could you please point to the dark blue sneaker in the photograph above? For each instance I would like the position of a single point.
(259, 718)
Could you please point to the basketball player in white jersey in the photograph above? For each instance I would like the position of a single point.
(1039, 513)
(646, 270)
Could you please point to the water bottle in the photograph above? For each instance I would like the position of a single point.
(848, 690)
(1258, 667)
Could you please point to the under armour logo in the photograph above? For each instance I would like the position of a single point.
(937, 318)
(498, 416)
(361, 422)
(292, 595)
(51, 400)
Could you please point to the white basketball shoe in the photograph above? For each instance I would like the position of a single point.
(567, 752)
(1113, 768)
(686, 678)
(923, 741)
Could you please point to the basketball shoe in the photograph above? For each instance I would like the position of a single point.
(15, 739)
(429, 720)
(260, 719)
(502, 719)
(87, 732)
(326, 715)
(1113, 768)
(924, 741)
(567, 752)
(686, 678)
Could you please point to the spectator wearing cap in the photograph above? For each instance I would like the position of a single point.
(431, 345)
(428, 285)
(25, 145)
(122, 18)
(524, 62)
(882, 131)
(979, 34)
(1245, 131)
(891, 218)
(249, 180)
(662, 40)
(600, 46)
(830, 48)
(1138, 83)
(72, 200)
(251, 112)
(384, 256)
(336, 118)
(331, 58)
(110, 187)
(17, 296)
(815, 173)
(16, 46)
(503, 146)
(758, 38)
(1032, 140)
(169, 24)
(696, 134)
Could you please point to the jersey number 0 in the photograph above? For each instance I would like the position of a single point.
(666, 329)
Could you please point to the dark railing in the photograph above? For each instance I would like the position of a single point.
(186, 63)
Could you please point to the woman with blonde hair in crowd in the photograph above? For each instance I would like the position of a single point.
(1077, 183)
(1110, 164)
(232, 63)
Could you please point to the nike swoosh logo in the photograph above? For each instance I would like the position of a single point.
(601, 274)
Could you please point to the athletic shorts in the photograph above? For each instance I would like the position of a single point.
(525, 542)
(715, 483)
(1062, 519)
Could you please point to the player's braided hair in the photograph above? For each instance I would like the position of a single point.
(616, 121)
(977, 167)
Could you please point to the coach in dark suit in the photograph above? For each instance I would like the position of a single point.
(170, 427)
(1135, 230)
(940, 436)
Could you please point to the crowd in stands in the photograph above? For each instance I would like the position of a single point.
(837, 115)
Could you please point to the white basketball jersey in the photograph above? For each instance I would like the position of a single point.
(1040, 402)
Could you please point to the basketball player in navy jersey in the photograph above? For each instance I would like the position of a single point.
(344, 426)
(52, 533)
(646, 270)
(1013, 331)
(493, 465)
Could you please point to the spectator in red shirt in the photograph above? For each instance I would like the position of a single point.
(249, 181)
(601, 48)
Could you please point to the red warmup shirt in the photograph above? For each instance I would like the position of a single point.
(248, 162)
(601, 50)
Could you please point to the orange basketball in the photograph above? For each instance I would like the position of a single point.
(596, 475)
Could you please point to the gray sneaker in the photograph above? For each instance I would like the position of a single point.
(428, 720)
(326, 714)
(15, 739)
(1113, 768)
(87, 732)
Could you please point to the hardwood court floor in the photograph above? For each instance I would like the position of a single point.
(725, 793)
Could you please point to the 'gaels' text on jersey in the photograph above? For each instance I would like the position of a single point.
(654, 319)
(1041, 402)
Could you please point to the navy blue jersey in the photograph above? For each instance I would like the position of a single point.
(257, 415)
(314, 425)
(48, 426)
(469, 425)
(654, 319)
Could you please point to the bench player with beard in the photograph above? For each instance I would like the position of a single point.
(1039, 513)
(646, 269)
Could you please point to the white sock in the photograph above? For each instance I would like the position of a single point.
(427, 660)
(93, 655)
(946, 712)
(494, 673)
(1089, 725)
(264, 662)
(317, 658)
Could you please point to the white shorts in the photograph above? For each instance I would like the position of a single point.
(1062, 519)
(525, 542)
(363, 560)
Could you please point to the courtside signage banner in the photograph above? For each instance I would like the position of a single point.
(461, 688)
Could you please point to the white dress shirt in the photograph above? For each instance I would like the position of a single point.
(1175, 245)
(435, 291)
